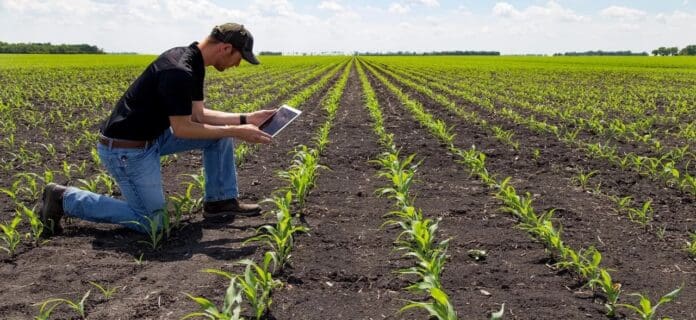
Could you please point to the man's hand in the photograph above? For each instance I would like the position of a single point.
(259, 117)
(251, 133)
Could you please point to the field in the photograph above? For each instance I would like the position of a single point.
(558, 187)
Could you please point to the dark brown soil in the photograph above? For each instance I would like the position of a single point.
(344, 268)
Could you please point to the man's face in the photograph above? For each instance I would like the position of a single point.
(230, 57)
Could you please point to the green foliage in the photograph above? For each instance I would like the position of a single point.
(645, 309)
(279, 237)
(10, 236)
(231, 307)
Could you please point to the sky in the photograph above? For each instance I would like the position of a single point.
(510, 27)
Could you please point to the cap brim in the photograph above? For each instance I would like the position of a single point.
(250, 57)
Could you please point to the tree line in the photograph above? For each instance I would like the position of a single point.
(602, 53)
(47, 48)
(433, 53)
(689, 50)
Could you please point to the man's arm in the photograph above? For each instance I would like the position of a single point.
(201, 114)
(185, 127)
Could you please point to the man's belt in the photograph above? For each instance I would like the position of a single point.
(129, 144)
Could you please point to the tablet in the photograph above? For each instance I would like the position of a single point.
(279, 120)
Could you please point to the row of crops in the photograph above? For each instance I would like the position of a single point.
(622, 120)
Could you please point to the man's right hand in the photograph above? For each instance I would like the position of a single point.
(251, 133)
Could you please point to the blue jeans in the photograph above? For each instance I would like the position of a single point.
(137, 173)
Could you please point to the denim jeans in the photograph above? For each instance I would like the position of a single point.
(137, 173)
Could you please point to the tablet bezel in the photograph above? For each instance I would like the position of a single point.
(287, 107)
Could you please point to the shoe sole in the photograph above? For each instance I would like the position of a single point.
(232, 213)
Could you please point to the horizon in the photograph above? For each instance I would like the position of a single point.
(511, 28)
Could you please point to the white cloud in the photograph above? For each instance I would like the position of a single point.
(399, 8)
(504, 9)
(331, 6)
(624, 13)
(429, 3)
(551, 10)
(152, 26)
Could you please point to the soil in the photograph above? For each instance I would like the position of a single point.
(344, 267)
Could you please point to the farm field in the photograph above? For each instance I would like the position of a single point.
(556, 186)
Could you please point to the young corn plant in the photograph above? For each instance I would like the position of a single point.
(439, 308)
(105, 291)
(583, 178)
(46, 309)
(257, 283)
(302, 173)
(279, 237)
(645, 309)
(642, 215)
(401, 173)
(35, 225)
(611, 289)
(198, 184)
(75, 305)
(498, 315)
(231, 305)
(10, 236)
(156, 228)
(622, 203)
(691, 245)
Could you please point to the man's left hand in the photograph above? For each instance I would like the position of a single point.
(259, 117)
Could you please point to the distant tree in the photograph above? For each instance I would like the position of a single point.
(673, 51)
(605, 53)
(689, 50)
(47, 48)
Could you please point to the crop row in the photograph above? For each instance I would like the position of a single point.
(585, 263)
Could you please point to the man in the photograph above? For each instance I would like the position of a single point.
(161, 113)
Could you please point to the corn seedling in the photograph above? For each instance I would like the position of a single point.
(582, 178)
(302, 173)
(257, 283)
(139, 260)
(439, 308)
(91, 185)
(107, 181)
(279, 237)
(642, 215)
(536, 154)
(157, 228)
(231, 305)
(77, 306)
(10, 236)
(691, 245)
(46, 309)
(30, 185)
(623, 203)
(66, 170)
(401, 174)
(644, 309)
(35, 224)
(661, 233)
(105, 291)
(498, 315)
(611, 289)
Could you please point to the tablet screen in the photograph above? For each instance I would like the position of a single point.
(280, 120)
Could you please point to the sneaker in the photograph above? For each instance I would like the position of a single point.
(52, 208)
(230, 207)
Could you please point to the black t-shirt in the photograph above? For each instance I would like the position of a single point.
(166, 88)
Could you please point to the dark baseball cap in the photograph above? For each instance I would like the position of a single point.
(239, 37)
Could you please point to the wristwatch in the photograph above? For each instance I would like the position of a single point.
(242, 119)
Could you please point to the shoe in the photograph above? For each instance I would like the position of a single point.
(52, 208)
(230, 207)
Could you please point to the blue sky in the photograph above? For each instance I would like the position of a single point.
(512, 27)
